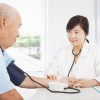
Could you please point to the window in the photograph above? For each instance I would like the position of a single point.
(29, 50)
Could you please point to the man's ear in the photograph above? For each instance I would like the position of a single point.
(3, 22)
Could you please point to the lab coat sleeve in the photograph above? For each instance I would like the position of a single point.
(97, 65)
(53, 67)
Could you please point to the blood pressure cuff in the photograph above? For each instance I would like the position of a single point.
(16, 74)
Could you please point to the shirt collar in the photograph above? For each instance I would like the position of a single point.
(2, 50)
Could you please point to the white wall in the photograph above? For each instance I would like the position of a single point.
(98, 21)
(58, 13)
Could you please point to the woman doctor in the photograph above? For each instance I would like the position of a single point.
(78, 63)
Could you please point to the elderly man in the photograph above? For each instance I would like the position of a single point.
(10, 74)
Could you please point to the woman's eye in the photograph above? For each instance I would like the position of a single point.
(76, 32)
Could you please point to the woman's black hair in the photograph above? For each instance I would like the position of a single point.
(78, 20)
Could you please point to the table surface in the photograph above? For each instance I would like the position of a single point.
(85, 94)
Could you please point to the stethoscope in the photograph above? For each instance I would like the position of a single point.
(75, 55)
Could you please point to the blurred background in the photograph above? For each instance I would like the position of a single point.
(43, 31)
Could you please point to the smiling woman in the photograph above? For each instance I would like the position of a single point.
(73, 63)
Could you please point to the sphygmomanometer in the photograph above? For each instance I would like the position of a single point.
(17, 76)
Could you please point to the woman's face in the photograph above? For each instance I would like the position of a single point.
(76, 36)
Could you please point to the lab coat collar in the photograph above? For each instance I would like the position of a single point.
(84, 49)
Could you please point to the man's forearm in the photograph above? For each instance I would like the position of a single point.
(28, 83)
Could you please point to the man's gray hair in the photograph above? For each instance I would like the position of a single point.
(7, 11)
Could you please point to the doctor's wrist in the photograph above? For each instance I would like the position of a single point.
(95, 82)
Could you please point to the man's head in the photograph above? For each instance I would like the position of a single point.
(10, 22)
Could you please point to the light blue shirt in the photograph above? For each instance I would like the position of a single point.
(5, 83)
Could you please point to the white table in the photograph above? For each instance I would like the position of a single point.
(85, 94)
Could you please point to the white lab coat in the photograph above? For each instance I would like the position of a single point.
(87, 65)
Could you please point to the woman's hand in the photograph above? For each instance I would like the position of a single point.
(52, 77)
(64, 80)
(72, 81)
(56, 79)
(86, 83)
